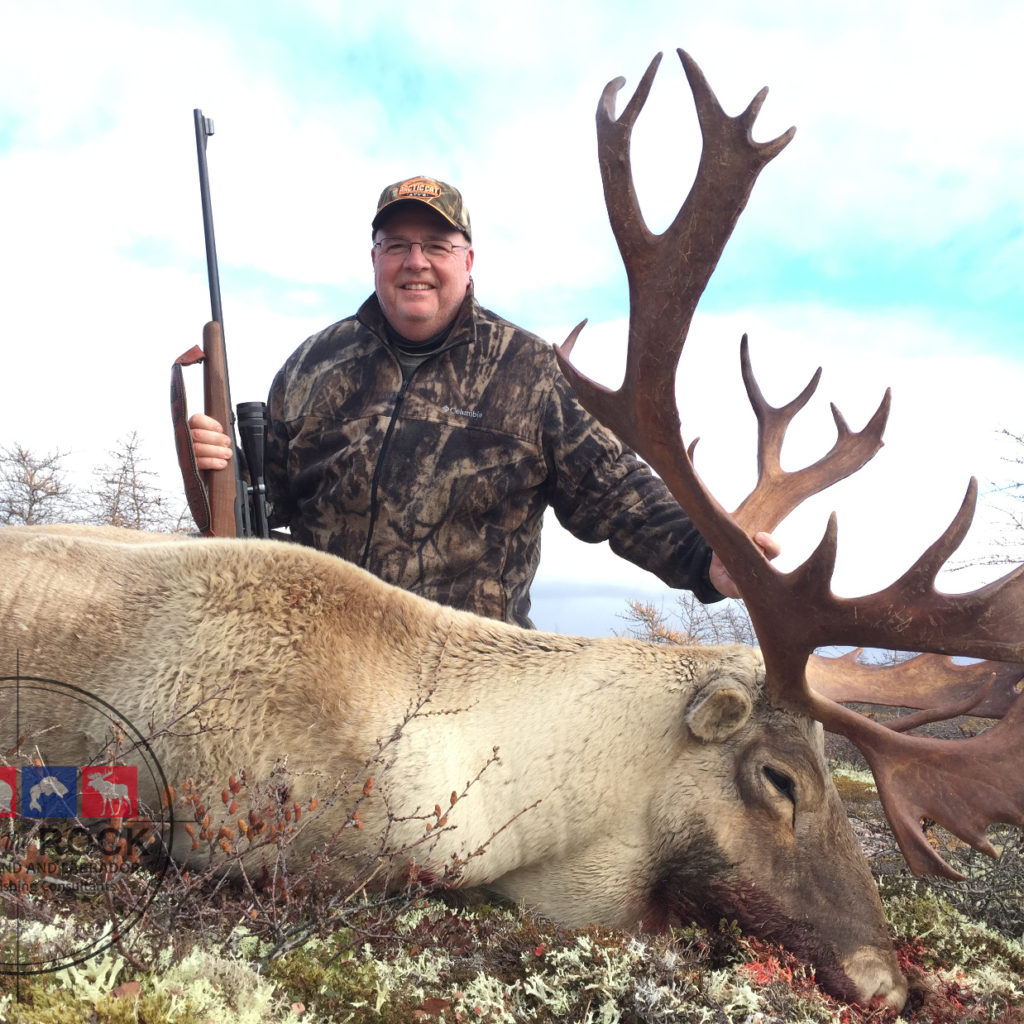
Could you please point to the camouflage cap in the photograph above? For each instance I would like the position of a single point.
(438, 195)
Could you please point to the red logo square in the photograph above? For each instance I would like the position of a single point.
(109, 792)
(8, 792)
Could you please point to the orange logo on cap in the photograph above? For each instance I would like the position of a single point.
(419, 188)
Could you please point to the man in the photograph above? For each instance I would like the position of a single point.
(423, 437)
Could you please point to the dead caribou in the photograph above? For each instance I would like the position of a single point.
(625, 784)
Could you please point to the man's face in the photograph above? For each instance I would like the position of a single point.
(420, 296)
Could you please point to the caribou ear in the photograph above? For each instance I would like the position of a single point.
(718, 710)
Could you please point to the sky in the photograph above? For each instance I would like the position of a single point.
(884, 244)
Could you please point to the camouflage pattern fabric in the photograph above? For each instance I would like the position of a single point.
(439, 484)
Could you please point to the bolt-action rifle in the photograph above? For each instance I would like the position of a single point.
(221, 502)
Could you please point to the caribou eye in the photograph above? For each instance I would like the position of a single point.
(783, 783)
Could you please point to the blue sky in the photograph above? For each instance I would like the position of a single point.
(885, 243)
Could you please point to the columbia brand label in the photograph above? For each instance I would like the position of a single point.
(419, 188)
(468, 413)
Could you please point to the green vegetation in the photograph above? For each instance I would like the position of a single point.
(426, 961)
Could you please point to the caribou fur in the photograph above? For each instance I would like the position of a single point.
(600, 780)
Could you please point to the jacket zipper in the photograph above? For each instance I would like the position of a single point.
(378, 468)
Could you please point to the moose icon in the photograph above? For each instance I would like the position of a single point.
(115, 796)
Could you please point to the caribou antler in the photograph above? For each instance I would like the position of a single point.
(963, 784)
(667, 273)
(937, 685)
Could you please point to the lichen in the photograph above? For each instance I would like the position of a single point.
(429, 962)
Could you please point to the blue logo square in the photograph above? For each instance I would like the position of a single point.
(49, 791)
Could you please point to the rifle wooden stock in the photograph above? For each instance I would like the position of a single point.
(221, 484)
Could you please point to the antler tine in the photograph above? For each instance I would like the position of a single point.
(613, 143)
(930, 682)
(778, 492)
(907, 723)
(984, 623)
(956, 783)
(667, 273)
(714, 121)
(910, 614)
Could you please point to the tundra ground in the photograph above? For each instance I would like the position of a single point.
(419, 959)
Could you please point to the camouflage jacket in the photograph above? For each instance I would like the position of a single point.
(438, 484)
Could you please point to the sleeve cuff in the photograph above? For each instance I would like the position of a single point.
(705, 591)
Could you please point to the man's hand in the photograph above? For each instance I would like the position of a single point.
(212, 446)
(722, 581)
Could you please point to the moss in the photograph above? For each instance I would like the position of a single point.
(428, 961)
(202, 987)
(42, 1001)
(952, 959)
(915, 911)
(326, 976)
(859, 794)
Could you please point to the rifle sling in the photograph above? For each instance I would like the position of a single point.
(195, 489)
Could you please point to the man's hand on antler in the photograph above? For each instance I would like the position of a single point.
(212, 445)
(719, 576)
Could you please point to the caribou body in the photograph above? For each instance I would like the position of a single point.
(592, 780)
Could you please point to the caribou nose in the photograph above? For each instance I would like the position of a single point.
(878, 979)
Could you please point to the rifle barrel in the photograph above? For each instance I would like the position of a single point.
(204, 129)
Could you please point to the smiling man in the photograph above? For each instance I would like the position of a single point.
(421, 286)
(423, 437)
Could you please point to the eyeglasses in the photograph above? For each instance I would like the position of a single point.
(401, 247)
